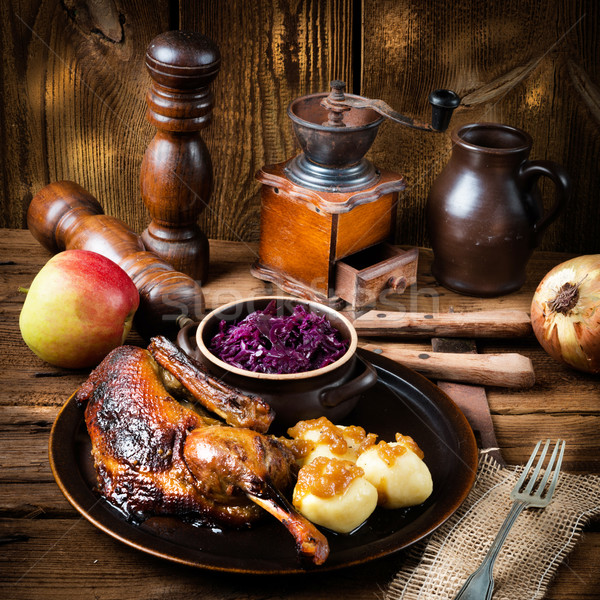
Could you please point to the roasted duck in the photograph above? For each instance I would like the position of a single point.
(228, 460)
(235, 408)
(155, 456)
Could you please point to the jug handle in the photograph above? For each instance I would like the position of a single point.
(531, 172)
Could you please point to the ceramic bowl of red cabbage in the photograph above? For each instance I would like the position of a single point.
(298, 355)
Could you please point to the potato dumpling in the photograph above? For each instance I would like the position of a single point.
(398, 472)
(320, 437)
(333, 493)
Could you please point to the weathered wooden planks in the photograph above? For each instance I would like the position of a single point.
(272, 52)
(73, 91)
(531, 65)
(73, 86)
(49, 551)
(561, 397)
(33, 565)
(231, 280)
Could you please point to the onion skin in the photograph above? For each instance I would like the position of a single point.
(568, 328)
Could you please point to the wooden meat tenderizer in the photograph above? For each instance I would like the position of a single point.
(64, 216)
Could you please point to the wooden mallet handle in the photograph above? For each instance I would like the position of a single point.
(64, 216)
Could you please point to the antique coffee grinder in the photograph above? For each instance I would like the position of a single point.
(328, 214)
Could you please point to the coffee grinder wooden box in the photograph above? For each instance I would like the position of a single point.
(328, 215)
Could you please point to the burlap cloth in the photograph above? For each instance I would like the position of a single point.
(539, 540)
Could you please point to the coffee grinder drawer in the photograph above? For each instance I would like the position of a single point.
(361, 278)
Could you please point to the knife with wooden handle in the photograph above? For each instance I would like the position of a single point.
(476, 324)
(510, 370)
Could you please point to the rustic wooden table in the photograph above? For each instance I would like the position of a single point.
(48, 551)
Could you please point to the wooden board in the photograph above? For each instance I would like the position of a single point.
(532, 65)
(49, 551)
(73, 87)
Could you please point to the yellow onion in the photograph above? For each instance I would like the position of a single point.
(565, 313)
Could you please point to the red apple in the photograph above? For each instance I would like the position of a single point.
(79, 307)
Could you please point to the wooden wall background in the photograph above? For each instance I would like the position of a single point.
(72, 85)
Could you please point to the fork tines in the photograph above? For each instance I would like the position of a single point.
(552, 470)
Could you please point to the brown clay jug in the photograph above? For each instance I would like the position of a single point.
(484, 213)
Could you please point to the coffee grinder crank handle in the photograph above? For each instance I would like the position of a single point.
(443, 103)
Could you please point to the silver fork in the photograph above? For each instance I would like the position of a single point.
(480, 584)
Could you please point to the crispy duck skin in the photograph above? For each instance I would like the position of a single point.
(154, 456)
(138, 431)
(226, 460)
(236, 408)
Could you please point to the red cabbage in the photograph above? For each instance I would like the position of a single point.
(265, 342)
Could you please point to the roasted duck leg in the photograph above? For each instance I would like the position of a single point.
(235, 408)
(154, 456)
(227, 461)
(137, 431)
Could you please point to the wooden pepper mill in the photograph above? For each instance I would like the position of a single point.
(176, 172)
(63, 216)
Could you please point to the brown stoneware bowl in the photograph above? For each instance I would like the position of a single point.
(331, 391)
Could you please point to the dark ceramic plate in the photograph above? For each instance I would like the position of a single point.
(400, 401)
